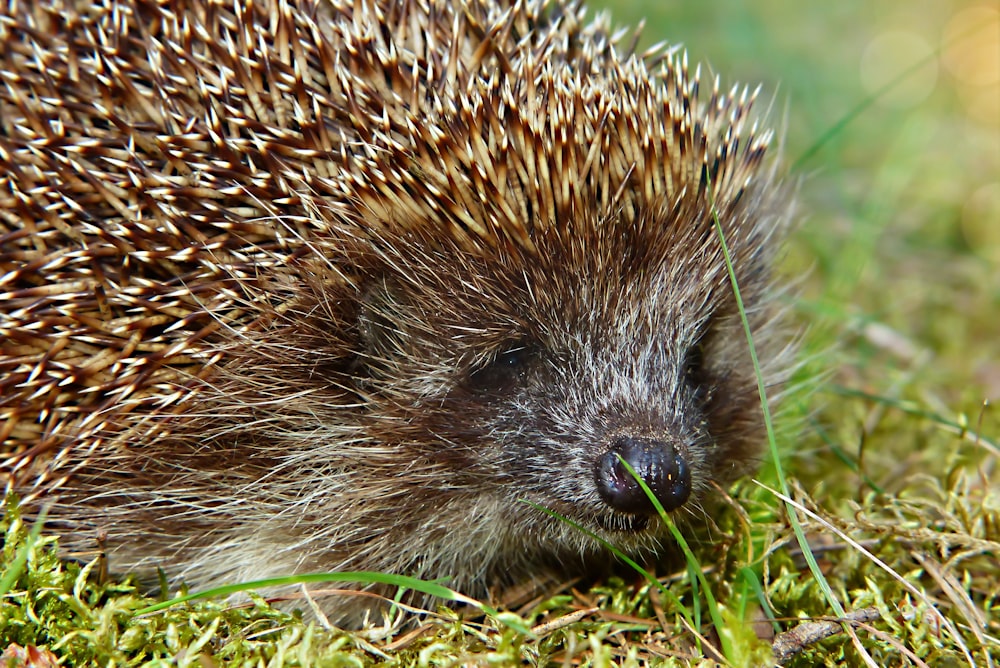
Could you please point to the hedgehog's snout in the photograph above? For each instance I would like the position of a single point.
(659, 464)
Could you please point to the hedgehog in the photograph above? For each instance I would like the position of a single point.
(365, 285)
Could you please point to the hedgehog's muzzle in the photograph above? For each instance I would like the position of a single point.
(659, 464)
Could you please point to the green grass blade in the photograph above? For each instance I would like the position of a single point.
(695, 573)
(624, 557)
(20, 561)
(416, 584)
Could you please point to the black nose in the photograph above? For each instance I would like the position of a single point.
(659, 465)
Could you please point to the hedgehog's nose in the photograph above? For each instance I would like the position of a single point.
(659, 465)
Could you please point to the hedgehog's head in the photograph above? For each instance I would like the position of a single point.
(544, 301)
(539, 374)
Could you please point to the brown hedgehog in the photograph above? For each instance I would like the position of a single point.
(314, 285)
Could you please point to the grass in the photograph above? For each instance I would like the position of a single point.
(893, 475)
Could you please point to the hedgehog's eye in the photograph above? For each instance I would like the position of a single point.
(503, 371)
(694, 364)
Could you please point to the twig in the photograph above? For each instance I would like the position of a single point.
(788, 644)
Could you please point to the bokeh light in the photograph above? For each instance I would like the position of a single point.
(887, 66)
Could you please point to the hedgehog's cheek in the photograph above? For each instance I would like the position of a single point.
(660, 465)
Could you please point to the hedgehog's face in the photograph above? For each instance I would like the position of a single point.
(567, 413)
(572, 416)
(547, 379)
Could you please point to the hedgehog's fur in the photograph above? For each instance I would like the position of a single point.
(266, 267)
